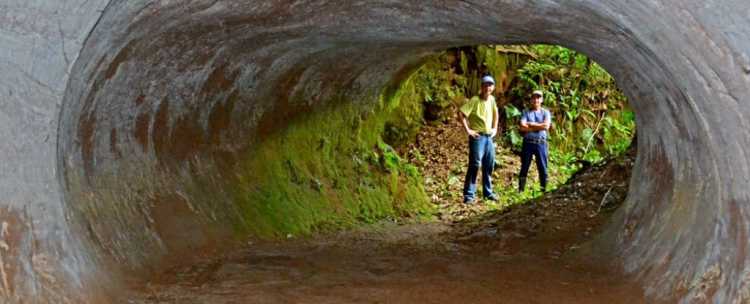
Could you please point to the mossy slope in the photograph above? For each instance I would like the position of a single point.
(329, 170)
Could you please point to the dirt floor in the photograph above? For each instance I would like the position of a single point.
(538, 252)
(441, 154)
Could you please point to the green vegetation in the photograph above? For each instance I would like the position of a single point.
(329, 170)
(442, 84)
(337, 168)
(591, 118)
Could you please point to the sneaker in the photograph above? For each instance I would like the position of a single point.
(492, 198)
(469, 201)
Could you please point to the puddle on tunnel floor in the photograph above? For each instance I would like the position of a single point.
(414, 263)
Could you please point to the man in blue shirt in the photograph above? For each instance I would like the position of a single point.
(534, 125)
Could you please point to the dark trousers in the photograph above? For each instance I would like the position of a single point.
(481, 153)
(537, 149)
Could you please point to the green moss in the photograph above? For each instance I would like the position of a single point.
(430, 94)
(495, 62)
(329, 170)
(406, 113)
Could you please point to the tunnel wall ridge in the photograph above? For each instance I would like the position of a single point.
(683, 64)
(42, 257)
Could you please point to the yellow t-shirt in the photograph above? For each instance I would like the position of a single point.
(479, 113)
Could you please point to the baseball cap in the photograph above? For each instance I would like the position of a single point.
(537, 92)
(488, 79)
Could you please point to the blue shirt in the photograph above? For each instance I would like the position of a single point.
(536, 117)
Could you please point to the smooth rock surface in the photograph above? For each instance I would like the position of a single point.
(122, 122)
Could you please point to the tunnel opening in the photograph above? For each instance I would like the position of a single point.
(592, 119)
(163, 111)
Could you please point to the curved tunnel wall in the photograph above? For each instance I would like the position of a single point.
(165, 98)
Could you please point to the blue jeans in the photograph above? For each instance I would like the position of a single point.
(539, 151)
(481, 153)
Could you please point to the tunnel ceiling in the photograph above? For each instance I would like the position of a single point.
(162, 95)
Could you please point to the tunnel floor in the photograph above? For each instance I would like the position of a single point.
(406, 264)
(539, 252)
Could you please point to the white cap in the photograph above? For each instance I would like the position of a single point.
(488, 79)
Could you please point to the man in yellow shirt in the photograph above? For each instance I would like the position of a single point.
(479, 117)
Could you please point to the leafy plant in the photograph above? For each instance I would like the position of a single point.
(511, 111)
(591, 118)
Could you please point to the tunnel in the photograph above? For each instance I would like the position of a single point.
(125, 123)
